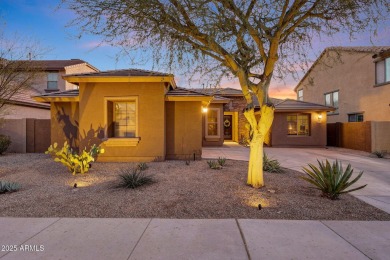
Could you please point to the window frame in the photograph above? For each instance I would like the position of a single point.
(121, 141)
(300, 98)
(356, 116)
(386, 62)
(50, 81)
(218, 123)
(331, 93)
(299, 114)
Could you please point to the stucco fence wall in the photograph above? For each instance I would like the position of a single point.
(367, 136)
(28, 135)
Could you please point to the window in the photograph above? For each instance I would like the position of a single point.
(298, 124)
(382, 71)
(213, 122)
(121, 117)
(332, 100)
(52, 80)
(357, 117)
(300, 94)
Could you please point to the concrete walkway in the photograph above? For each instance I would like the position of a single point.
(376, 170)
(54, 238)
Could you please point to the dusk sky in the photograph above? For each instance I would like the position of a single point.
(39, 20)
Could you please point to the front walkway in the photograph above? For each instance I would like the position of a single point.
(376, 170)
(75, 238)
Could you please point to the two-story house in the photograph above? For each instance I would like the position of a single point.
(356, 82)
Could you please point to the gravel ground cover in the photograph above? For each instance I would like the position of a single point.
(180, 191)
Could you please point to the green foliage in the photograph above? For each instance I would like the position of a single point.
(214, 165)
(76, 163)
(271, 165)
(6, 186)
(5, 142)
(331, 179)
(379, 154)
(133, 178)
(221, 161)
(142, 166)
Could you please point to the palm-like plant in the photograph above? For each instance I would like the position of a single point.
(331, 179)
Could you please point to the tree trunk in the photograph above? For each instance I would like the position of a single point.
(260, 130)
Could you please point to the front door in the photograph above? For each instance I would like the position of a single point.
(228, 127)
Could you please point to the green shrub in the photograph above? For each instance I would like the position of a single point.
(142, 166)
(221, 161)
(379, 154)
(74, 162)
(331, 179)
(6, 186)
(271, 165)
(133, 178)
(214, 165)
(5, 142)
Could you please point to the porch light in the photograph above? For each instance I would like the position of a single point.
(319, 118)
(204, 109)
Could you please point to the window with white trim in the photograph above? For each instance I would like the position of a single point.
(213, 122)
(52, 80)
(332, 100)
(382, 71)
(356, 117)
(300, 95)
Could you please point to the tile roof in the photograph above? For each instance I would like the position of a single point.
(55, 64)
(185, 92)
(297, 105)
(372, 49)
(121, 73)
(66, 93)
(24, 98)
(219, 91)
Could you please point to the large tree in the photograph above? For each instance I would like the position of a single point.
(251, 40)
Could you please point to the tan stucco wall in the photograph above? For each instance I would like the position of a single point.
(64, 123)
(81, 68)
(280, 137)
(184, 132)
(213, 141)
(380, 136)
(18, 112)
(354, 76)
(151, 119)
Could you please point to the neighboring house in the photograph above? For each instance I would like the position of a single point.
(296, 123)
(27, 121)
(50, 79)
(356, 82)
(136, 115)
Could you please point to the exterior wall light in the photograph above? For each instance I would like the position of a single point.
(319, 118)
(204, 109)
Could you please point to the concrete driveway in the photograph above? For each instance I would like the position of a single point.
(376, 170)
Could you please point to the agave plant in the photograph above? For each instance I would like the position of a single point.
(6, 186)
(331, 179)
(214, 165)
(133, 178)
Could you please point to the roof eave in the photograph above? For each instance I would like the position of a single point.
(49, 99)
(118, 79)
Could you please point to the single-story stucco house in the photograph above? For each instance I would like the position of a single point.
(135, 115)
(138, 115)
